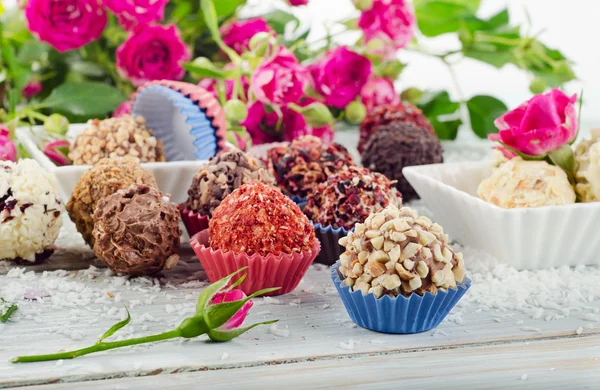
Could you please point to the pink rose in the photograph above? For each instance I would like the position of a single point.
(390, 21)
(32, 89)
(57, 151)
(237, 34)
(379, 91)
(296, 3)
(232, 296)
(133, 12)
(340, 75)
(123, 109)
(8, 150)
(279, 79)
(65, 24)
(152, 52)
(539, 126)
(260, 124)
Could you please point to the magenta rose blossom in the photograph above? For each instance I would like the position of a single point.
(378, 91)
(279, 79)
(296, 3)
(232, 296)
(260, 124)
(237, 34)
(8, 150)
(133, 12)
(391, 21)
(152, 52)
(539, 126)
(57, 151)
(33, 88)
(65, 24)
(340, 75)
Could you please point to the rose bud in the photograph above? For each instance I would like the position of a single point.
(57, 151)
(56, 124)
(355, 112)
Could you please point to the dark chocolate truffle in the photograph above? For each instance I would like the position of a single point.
(397, 145)
(306, 162)
(391, 113)
(137, 231)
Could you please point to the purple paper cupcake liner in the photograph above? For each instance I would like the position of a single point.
(403, 315)
(330, 247)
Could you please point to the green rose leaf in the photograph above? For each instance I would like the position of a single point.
(225, 8)
(88, 99)
(202, 67)
(115, 328)
(442, 112)
(226, 335)
(436, 17)
(483, 110)
(279, 19)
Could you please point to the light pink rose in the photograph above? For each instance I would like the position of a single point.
(57, 151)
(65, 24)
(539, 126)
(133, 12)
(296, 3)
(8, 150)
(390, 21)
(152, 52)
(123, 109)
(340, 75)
(279, 79)
(232, 296)
(237, 34)
(378, 91)
(33, 88)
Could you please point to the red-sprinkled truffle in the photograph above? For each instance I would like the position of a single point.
(305, 163)
(384, 115)
(349, 197)
(257, 218)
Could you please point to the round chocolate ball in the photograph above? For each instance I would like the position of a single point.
(257, 218)
(397, 145)
(137, 231)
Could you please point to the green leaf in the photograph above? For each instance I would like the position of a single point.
(209, 292)
(351, 23)
(89, 99)
(212, 22)
(89, 69)
(202, 71)
(390, 69)
(33, 50)
(19, 73)
(225, 8)
(446, 130)
(217, 315)
(483, 110)
(442, 112)
(436, 17)
(227, 335)
(115, 328)
(278, 19)
(9, 312)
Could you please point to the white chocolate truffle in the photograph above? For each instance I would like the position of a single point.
(29, 210)
(587, 168)
(523, 184)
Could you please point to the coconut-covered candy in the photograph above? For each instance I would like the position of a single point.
(349, 197)
(137, 231)
(29, 211)
(257, 218)
(306, 162)
(391, 113)
(103, 179)
(114, 138)
(220, 176)
(397, 252)
(397, 145)
(587, 168)
(518, 183)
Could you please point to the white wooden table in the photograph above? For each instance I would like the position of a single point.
(314, 345)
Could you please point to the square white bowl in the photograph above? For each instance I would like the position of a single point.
(172, 177)
(533, 238)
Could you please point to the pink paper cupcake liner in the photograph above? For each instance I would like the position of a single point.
(282, 270)
(193, 222)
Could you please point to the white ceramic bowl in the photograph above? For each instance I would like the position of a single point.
(172, 177)
(532, 238)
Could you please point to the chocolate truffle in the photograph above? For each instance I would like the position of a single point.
(257, 218)
(397, 252)
(220, 176)
(103, 179)
(349, 197)
(391, 113)
(306, 162)
(587, 168)
(137, 231)
(29, 211)
(114, 138)
(398, 145)
(518, 183)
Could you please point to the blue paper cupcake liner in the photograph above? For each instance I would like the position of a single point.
(414, 314)
(185, 129)
(298, 200)
(330, 247)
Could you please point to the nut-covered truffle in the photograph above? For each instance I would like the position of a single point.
(587, 168)
(29, 211)
(114, 138)
(103, 179)
(397, 252)
(518, 183)
(398, 145)
(220, 176)
(392, 113)
(349, 197)
(137, 231)
(306, 162)
(257, 218)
